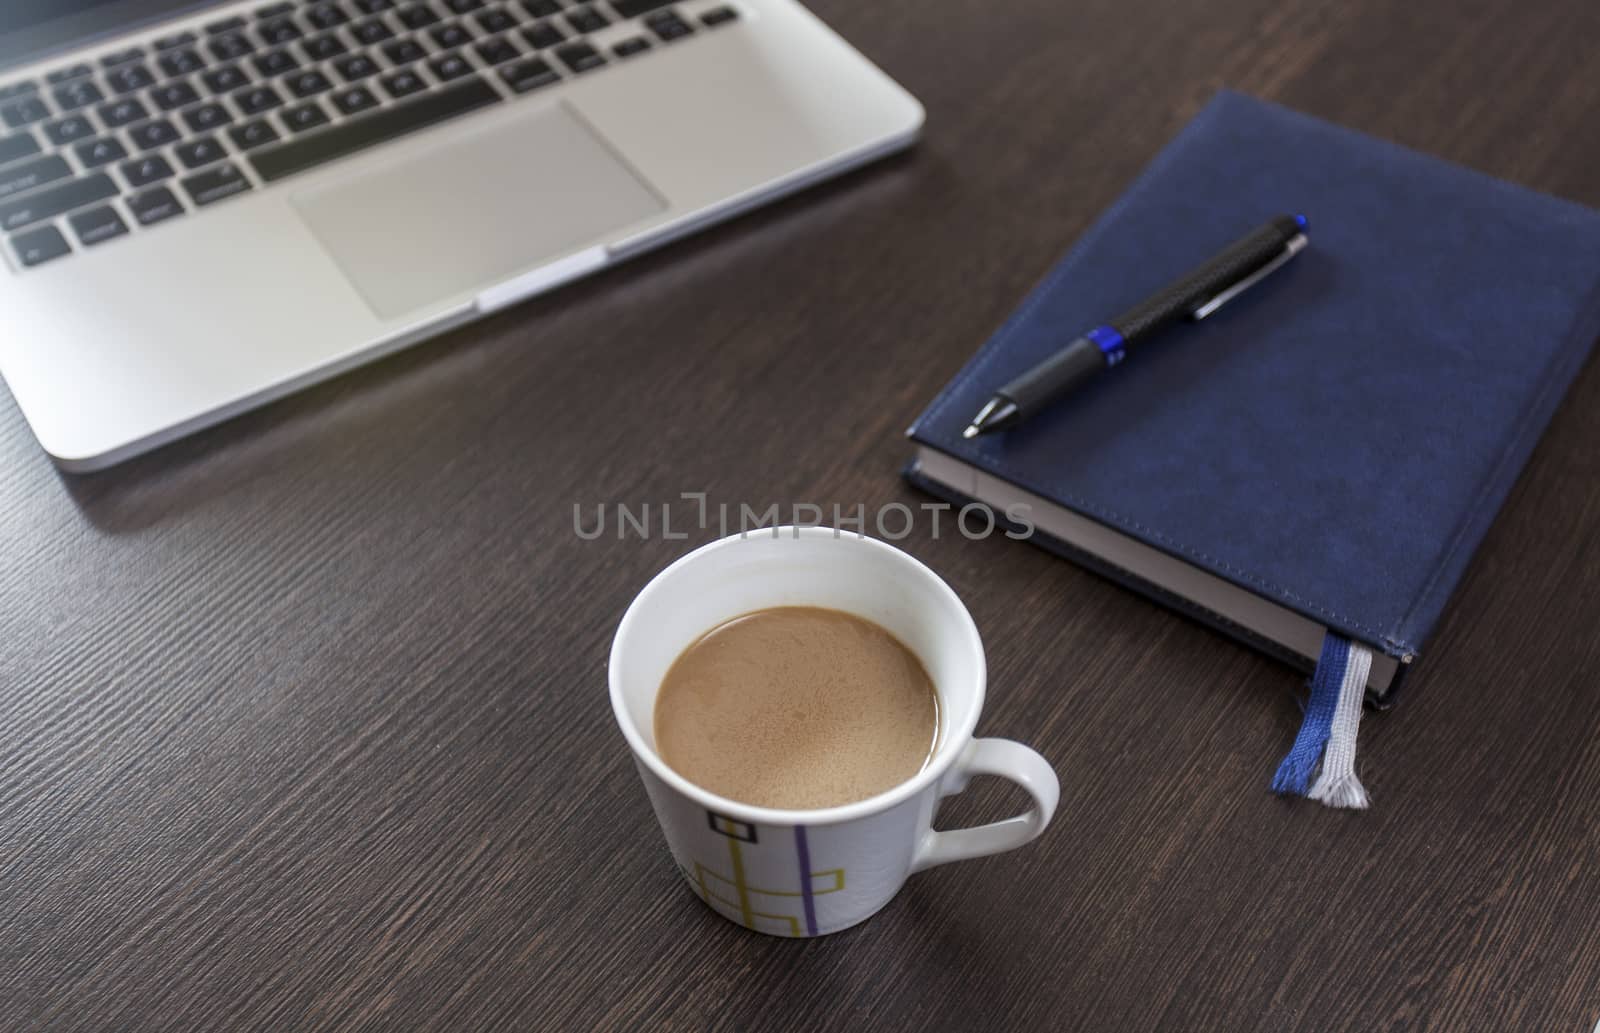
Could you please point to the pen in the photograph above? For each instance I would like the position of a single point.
(1196, 295)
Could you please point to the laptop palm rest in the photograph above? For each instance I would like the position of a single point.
(475, 210)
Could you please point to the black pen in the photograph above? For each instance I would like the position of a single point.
(1196, 295)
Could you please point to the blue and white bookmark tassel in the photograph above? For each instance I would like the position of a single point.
(1328, 733)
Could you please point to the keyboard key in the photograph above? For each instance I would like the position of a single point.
(323, 48)
(497, 50)
(277, 33)
(463, 6)
(181, 62)
(65, 130)
(207, 117)
(308, 83)
(129, 78)
(542, 35)
(307, 116)
(355, 67)
(254, 134)
(17, 146)
(121, 112)
(257, 99)
(275, 62)
(718, 15)
(580, 57)
(76, 95)
(418, 112)
(200, 152)
(94, 153)
(61, 75)
(98, 225)
(273, 10)
(450, 66)
(495, 21)
(222, 25)
(353, 99)
(153, 134)
(23, 112)
(403, 83)
(144, 171)
(153, 206)
(11, 91)
(122, 57)
(181, 39)
(404, 52)
(542, 8)
(230, 47)
(39, 205)
(529, 75)
(586, 19)
(225, 79)
(451, 35)
(668, 26)
(371, 32)
(214, 185)
(30, 174)
(173, 95)
(373, 6)
(634, 8)
(39, 246)
(325, 16)
(631, 46)
(416, 16)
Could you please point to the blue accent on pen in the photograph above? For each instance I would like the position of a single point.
(1110, 343)
(1301, 219)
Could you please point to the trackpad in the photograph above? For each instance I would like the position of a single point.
(475, 210)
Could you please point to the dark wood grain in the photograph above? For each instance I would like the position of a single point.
(303, 722)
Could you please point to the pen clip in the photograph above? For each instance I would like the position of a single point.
(1294, 246)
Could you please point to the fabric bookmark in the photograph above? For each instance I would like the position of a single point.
(1337, 785)
(1328, 732)
(1293, 777)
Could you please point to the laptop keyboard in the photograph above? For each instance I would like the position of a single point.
(92, 152)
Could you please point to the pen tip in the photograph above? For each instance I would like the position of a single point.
(971, 431)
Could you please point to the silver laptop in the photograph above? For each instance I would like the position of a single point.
(206, 206)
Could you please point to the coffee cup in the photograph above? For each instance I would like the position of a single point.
(811, 872)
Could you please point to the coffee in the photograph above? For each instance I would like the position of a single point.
(797, 707)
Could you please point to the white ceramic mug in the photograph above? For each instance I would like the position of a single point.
(807, 873)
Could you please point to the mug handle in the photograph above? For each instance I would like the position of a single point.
(1014, 762)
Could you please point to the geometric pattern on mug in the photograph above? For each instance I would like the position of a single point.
(741, 830)
(743, 895)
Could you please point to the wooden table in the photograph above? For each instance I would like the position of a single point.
(303, 721)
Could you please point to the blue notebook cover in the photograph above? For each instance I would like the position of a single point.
(1338, 439)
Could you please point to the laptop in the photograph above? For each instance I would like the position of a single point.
(205, 206)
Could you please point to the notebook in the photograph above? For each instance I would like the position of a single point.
(1321, 456)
